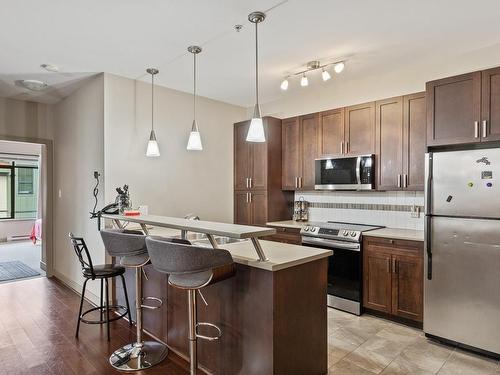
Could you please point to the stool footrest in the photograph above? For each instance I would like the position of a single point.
(208, 338)
(103, 309)
(158, 300)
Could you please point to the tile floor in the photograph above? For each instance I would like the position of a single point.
(368, 345)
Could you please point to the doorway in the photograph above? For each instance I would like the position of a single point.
(22, 203)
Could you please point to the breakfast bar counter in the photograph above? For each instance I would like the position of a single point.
(272, 313)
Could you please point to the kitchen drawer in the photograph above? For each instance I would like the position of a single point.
(393, 245)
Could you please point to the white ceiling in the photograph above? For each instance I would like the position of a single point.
(125, 37)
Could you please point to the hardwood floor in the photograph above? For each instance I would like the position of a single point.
(37, 334)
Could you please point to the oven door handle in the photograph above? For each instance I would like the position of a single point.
(331, 243)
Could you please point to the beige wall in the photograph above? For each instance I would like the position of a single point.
(34, 122)
(79, 150)
(25, 119)
(346, 89)
(179, 181)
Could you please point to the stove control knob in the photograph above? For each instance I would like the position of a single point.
(353, 234)
(306, 229)
(345, 233)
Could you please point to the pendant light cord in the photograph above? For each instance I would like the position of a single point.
(152, 100)
(256, 64)
(194, 90)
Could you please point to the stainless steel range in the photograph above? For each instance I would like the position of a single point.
(345, 265)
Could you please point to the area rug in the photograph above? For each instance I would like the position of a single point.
(15, 270)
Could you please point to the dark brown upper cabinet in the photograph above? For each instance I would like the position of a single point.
(414, 140)
(400, 141)
(359, 130)
(490, 111)
(300, 137)
(331, 128)
(454, 110)
(389, 125)
(291, 153)
(258, 197)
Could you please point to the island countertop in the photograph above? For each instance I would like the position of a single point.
(280, 255)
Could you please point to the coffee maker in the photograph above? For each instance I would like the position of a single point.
(301, 210)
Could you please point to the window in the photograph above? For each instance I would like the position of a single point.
(24, 181)
(18, 189)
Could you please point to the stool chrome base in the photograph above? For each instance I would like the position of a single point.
(132, 357)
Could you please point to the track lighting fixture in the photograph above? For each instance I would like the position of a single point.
(304, 81)
(326, 76)
(338, 67)
(284, 84)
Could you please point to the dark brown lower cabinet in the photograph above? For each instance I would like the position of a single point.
(393, 277)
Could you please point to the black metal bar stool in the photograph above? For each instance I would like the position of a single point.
(130, 247)
(191, 268)
(98, 272)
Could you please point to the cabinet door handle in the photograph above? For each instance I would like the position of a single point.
(296, 182)
(485, 129)
(250, 182)
(346, 147)
(405, 180)
(399, 180)
(341, 147)
(246, 197)
(300, 182)
(394, 265)
(246, 181)
(388, 265)
(249, 197)
(476, 129)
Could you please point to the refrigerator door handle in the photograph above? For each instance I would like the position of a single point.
(428, 246)
(428, 183)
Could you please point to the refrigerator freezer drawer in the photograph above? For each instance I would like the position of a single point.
(466, 183)
(462, 300)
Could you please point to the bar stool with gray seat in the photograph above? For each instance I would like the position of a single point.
(191, 268)
(130, 247)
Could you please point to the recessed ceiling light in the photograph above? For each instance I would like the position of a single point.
(33, 84)
(50, 68)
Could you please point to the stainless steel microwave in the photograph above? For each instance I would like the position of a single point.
(346, 173)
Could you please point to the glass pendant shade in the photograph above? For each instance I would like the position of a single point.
(153, 150)
(194, 141)
(256, 128)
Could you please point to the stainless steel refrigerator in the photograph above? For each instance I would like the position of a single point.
(462, 257)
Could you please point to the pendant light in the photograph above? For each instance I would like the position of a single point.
(194, 142)
(256, 129)
(153, 150)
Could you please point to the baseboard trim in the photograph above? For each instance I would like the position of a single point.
(77, 288)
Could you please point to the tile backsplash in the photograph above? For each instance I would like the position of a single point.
(392, 209)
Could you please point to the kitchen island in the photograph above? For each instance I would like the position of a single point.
(272, 313)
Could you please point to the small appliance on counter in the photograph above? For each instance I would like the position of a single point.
(301, 210)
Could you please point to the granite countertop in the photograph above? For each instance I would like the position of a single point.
(397, 234)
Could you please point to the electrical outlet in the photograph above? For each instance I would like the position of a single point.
(415, 212)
